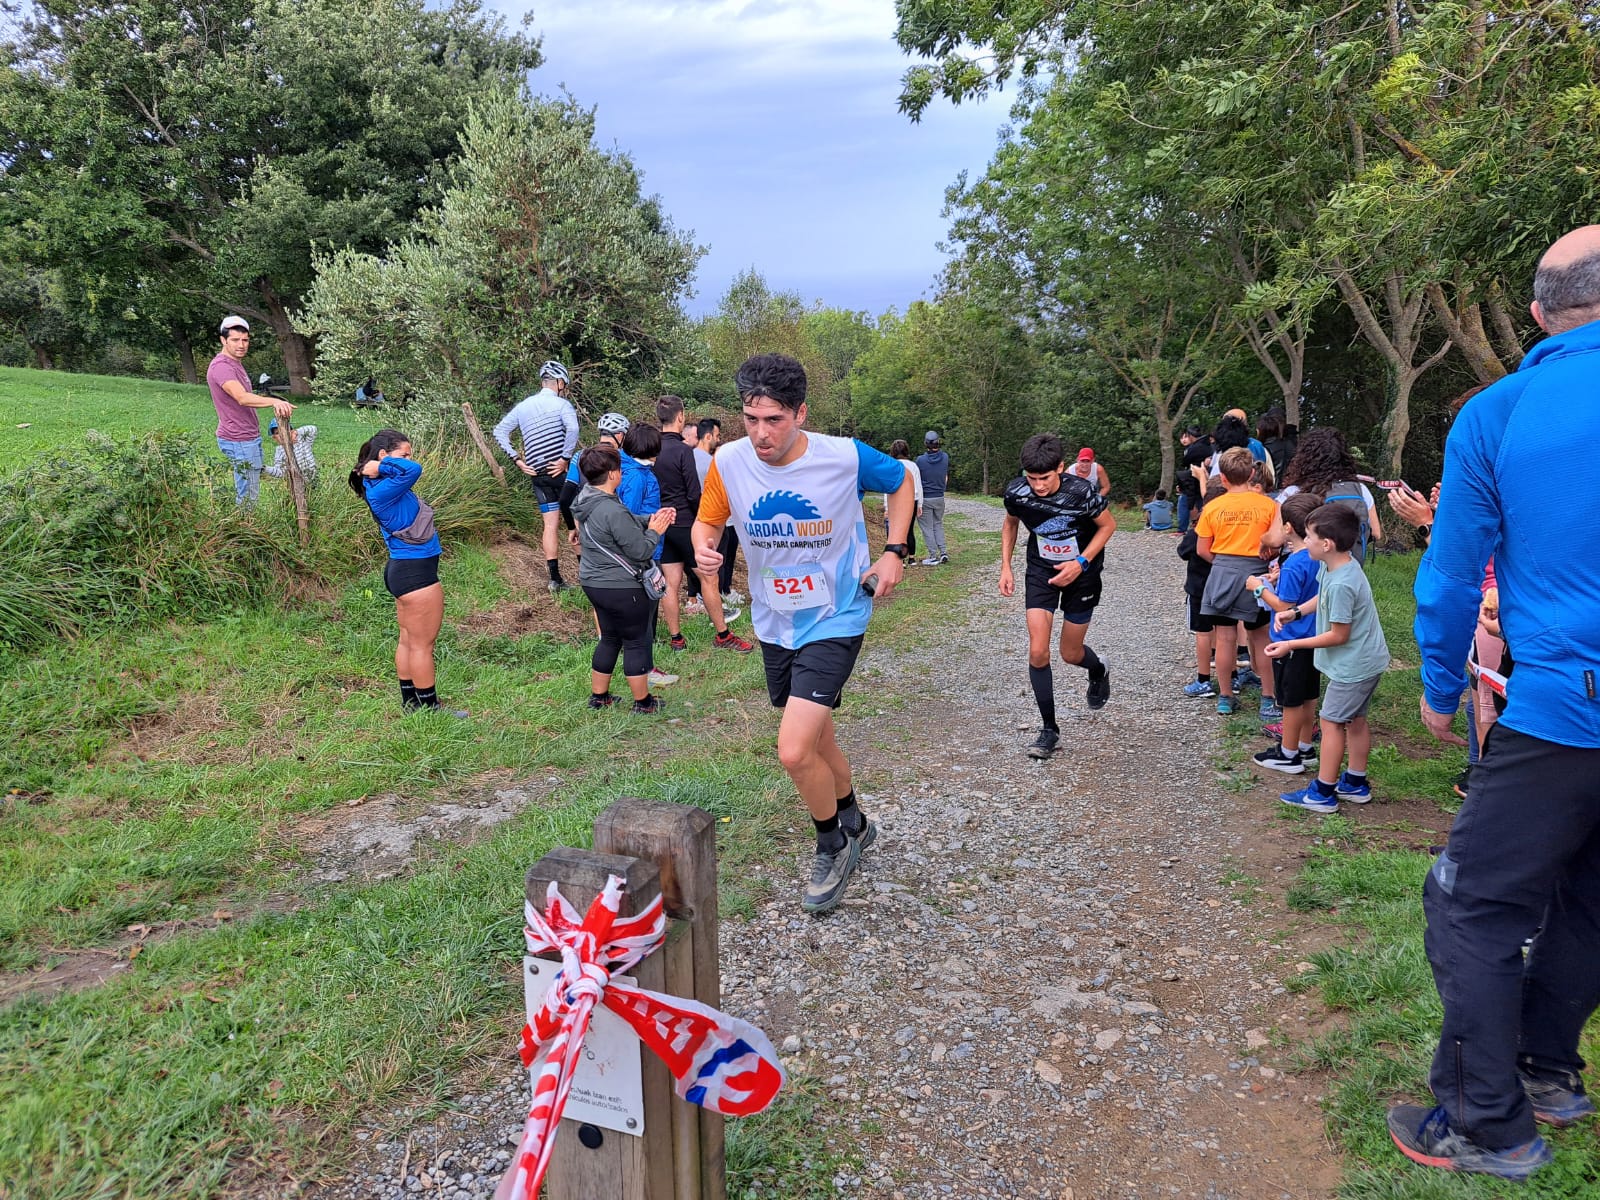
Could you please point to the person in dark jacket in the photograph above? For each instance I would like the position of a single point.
(386, 478)
(1194, 586)
(618, 547)
(1196, 453)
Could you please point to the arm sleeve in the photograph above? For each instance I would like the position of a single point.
(876, 471)
(502, 431)
(714, 508)
(278, 458)
(1450, 578)
(569, 424)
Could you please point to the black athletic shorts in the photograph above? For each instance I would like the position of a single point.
(1199, 622)
(677, 547)
(1296, 677)
(1256, 622)
(1076, 601)
(816, 671)
(548, 489)
(404, 575)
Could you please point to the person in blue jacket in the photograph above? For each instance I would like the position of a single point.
(1523, 860)
(386, 478)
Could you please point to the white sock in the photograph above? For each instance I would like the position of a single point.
(1304, 746)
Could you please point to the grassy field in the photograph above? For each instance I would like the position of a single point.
(43, 410)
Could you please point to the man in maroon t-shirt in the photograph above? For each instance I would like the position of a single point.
(238, 428)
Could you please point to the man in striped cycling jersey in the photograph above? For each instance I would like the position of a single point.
(547, 425)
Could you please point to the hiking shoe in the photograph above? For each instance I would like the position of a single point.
(1099, 689)
(1349, 789)
(865, 836)
(1045, 744)
(1200, 689)
(599, 701)
(1557, 1097)
(729, 640)
(659, 678)
(1311, 800)
(649, 705)
(1244, 677)
(677, 641)
(1275, 759)
(733, 596)
(1226, 707)
(1459, 787)
(1424, 1136)
(1271, 712)
(830, 872)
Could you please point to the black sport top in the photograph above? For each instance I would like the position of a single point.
(1059, 525)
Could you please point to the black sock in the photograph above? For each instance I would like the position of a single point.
(554, 565)
(1355, 776)
(830, 838)
(851, 817)
(427, 698)
(1199, 678)
(1043, 682)
(408, 694)
(1091, 663)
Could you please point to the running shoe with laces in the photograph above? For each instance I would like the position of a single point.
(1276, 759)
(730, 615)
(1045, 744)
(660, 678)
(557, 586)
(602, 701)
(864, 836)
(694, 607)
(729, 640)
(1557, 1097)
(1099, 687)
(733, 596)
(830, 872)
(1226, 706)
(1274, 731)
(1244, 677)
(944, 558)
(1424, 1136)
(1311, 800)
(1200, 689)
(677, 641)
(1357, 792)
(931, 561)
(1270, 711)
(649, 705)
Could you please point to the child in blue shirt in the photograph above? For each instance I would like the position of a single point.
(1158, 513)
(1298, 683)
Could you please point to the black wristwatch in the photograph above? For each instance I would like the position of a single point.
(899, 548)
(1424, 532)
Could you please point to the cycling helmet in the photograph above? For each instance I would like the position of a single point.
(613, 423)
(554, 370)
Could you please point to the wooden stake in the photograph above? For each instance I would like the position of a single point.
(297, 481)
(483, 446)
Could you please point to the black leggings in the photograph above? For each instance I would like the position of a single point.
(626, 623)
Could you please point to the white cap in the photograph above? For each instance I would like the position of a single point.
(233, 322)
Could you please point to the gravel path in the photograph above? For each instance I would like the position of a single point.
(1041, 985)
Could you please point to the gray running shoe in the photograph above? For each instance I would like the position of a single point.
(829, 875)
(866, 835)
(1045, 744)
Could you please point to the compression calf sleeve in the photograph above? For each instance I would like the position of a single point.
(553, 565)
(1043, 682)
(1091, 663)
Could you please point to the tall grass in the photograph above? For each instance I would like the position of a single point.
(126, 531)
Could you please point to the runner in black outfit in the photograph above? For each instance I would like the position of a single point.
(1068, 528)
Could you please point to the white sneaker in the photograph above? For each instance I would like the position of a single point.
(930, 561)
(730, 615)
(733, 596)
(660, 678)
(694, 607)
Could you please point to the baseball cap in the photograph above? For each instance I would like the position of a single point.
(1085, 454)
(233, 321)
(931, 437)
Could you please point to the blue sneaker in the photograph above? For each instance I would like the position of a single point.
(1424, 1136)
(1226, 706)
(1557, 1098)
(1311, 800)
(1349, 789)
(1244, 677)
(1200, 689)
(1269, 710)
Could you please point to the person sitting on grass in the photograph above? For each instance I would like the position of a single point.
(1158, 513)
(1231, 530)
(1350, 652)
(1295, 674)
(1194, 586)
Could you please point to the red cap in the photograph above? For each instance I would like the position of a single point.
(1085, 454)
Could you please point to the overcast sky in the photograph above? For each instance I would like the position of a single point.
(769, 128)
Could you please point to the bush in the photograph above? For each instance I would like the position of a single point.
(147, 528)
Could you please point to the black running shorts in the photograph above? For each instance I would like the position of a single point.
(1076, 601)
(1296, 677)
(816, 671)
(405, 575)
(547, 489)
(1255, 622)
(677, 547)
(1199, 622)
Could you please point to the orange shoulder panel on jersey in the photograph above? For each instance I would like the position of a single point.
(714, 509)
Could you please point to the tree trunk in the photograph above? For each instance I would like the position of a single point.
(41, 358)
(1169, 457)
(1397, 425)
(186, 367)
(295, 346)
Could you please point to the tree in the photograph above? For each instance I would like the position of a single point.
(750, 319)
(219, 146)
(838, 337)
(542, 247)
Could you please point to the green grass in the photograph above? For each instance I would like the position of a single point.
(58, 407)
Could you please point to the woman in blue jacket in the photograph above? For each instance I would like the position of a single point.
(385, 478)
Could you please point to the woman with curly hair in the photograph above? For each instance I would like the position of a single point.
(1321, 460)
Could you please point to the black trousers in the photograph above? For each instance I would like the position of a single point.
(729, 546)
(1523, 860)
(627, 626)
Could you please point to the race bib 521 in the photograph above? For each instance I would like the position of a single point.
(790, 589)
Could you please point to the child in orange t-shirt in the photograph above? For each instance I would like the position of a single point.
(1229, 534)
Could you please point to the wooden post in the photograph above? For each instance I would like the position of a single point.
(483, 447)
(297, 480)
(681, 842)
(588, 1163)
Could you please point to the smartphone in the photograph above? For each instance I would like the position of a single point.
(1389, 485)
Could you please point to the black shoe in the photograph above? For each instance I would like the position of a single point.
(1557, 1098)
(602, 701)
(1045, 744)
(649, 705)
(1100, 689)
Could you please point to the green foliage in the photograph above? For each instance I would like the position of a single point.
(542, 247)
